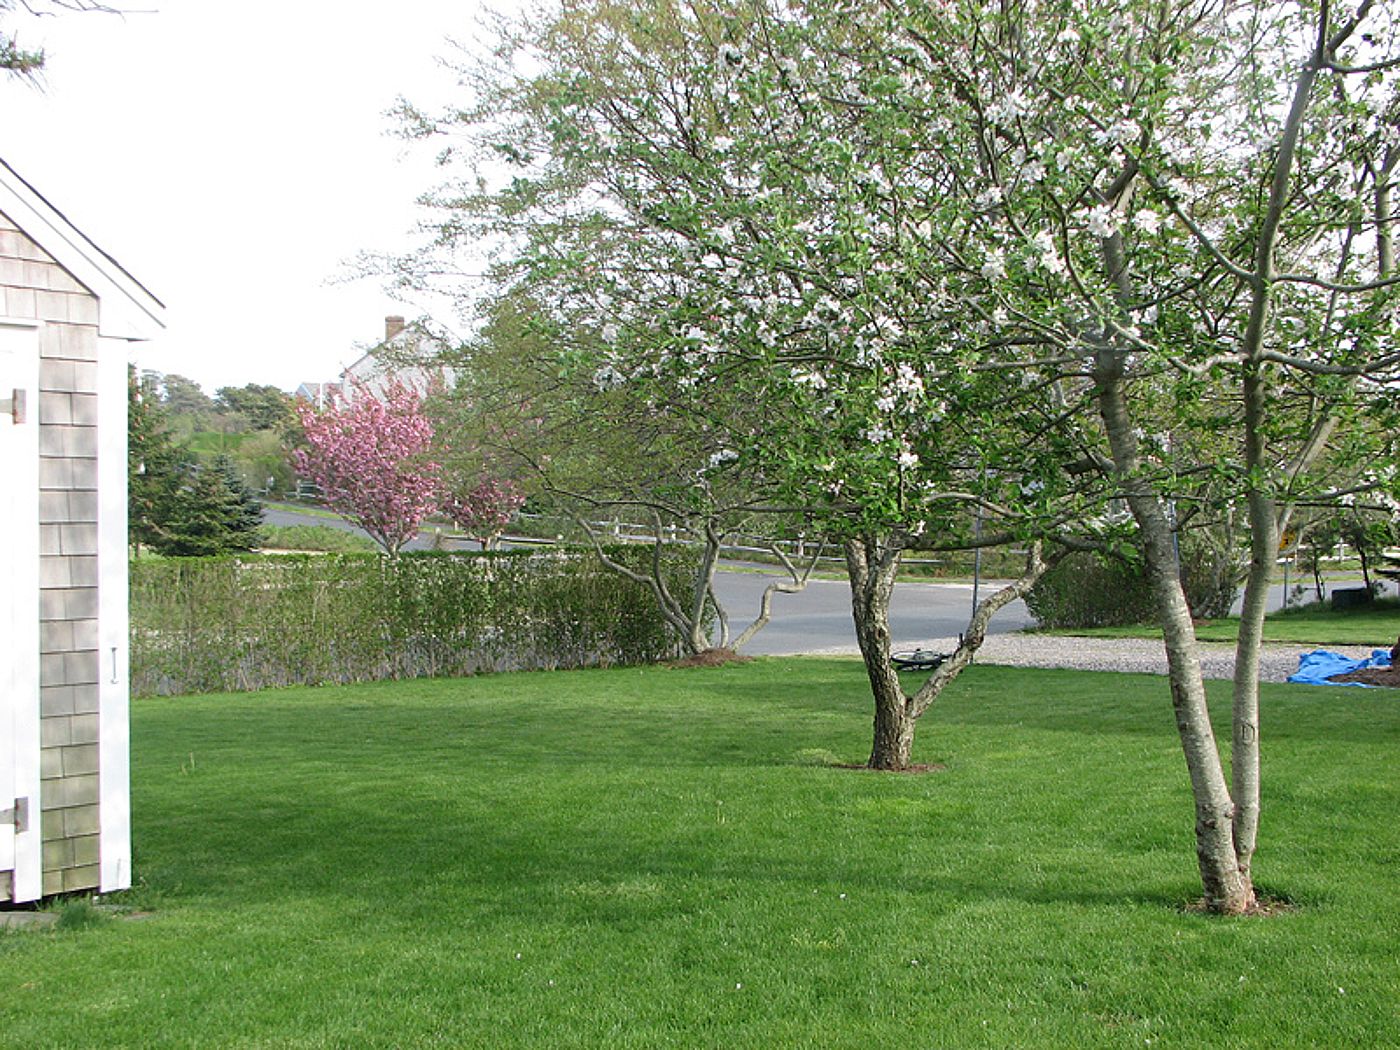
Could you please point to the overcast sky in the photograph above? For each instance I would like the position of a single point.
(233, 157)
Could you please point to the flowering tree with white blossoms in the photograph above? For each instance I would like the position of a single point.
(717, 269)
(1192, 201)
(980, 258)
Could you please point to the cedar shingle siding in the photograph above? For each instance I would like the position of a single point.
(35, 287)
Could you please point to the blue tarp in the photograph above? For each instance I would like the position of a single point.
(1316, 667)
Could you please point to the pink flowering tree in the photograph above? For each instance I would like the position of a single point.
(371, 458)
(482, 507)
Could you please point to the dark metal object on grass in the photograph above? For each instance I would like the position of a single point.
(918, 660)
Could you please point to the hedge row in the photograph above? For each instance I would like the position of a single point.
(1086, 590)
(254, 622)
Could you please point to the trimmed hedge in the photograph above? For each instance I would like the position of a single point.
(259, 621)
(1086, 590)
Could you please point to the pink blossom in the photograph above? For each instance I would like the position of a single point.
(484, 510)
(371, 460)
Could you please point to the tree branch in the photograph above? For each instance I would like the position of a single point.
(796, 586)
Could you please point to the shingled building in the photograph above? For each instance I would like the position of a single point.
(68, 312)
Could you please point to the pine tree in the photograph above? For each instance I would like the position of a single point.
(245, 519)
(176, 506)
(214, 514)
(155, 469)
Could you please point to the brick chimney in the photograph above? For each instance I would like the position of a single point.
(392, 327)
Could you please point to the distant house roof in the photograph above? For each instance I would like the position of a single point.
(401, 357)
(317, 393)
(129, 309)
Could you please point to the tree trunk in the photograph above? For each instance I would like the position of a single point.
(690, 633)
(1263, 543)
(976, 632)
(1226, 889)
(872, 567)
(1263, 518)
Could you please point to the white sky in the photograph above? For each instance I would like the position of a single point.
(234, 157)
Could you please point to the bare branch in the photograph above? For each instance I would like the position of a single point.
(972, 639)
(795, 586)
(1334, 286)
(1322, 368)
(1202, 238)
(1374, 67)
(1200, 368)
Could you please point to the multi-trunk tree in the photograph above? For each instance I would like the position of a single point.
(1190, 202)
(591, 451)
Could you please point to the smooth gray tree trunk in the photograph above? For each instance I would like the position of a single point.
(1226, 888)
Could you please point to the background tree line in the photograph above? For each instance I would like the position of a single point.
(195, 463)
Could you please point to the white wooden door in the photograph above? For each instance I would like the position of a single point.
(20, 840)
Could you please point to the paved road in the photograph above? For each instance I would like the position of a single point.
(278, 516)
(819, 618)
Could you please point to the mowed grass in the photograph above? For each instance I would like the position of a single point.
(663, 858)
(1317, 624)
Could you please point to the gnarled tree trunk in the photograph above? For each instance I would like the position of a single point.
(873, 565)
(690, 615)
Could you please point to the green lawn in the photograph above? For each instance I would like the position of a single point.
(1315, 624)
(661, 858)
(314, 538)
(306, 510)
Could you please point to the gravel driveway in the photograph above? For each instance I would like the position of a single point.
(1277, 662)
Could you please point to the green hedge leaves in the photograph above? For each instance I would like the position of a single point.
(254, 622)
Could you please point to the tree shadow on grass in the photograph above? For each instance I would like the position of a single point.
(495, 793)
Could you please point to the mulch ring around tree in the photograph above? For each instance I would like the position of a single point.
(1264, 906)
(711, 658)
(1383, 676)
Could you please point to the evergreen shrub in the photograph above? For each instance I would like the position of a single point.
(259, 621)
(1087, 590)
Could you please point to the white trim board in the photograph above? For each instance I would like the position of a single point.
(128, 310)
(19, 671)
(113, 618)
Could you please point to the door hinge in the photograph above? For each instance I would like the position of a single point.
(18, 815)
(15, 405)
